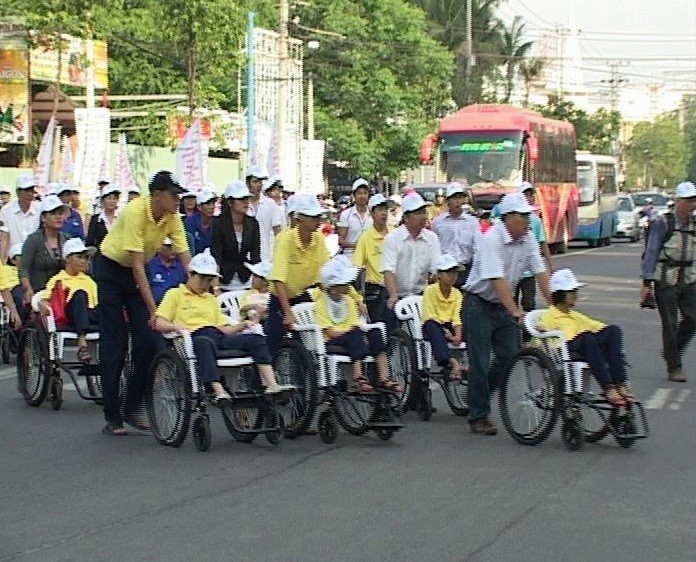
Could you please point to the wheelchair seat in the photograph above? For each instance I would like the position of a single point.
(336, 350)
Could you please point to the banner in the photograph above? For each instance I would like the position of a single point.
(67, 162)
(14, 88)
(312, 165)
(124, 173)
(74, 60)
(42, 171)
(192, 158)
(93, 127)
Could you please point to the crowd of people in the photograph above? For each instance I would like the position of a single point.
(157, 259)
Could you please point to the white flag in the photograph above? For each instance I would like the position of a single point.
(273, 160)
(42, 172)
(191, 158)
(124, 172)
(67, 162)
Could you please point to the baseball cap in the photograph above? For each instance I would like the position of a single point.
(524, 186)
(308, 206)
(65, 188)
(376, 200)
(256, 172)
(396, 198)
(15, 250)
(25, 182)
(187, 193)
(273, 181)
(134, 189)
(261, 269)
(103, 179)
(360, 182)
(51, 203)
(445, 262)
(565, 280)
(77, 246)
(237, 189)
(514, 203)
(205, 196)
(52, 188)
(111, 189)
(454, 188)
(338, 271)
(204, 264)
(686, 190)
(165, 181)
(413, 202)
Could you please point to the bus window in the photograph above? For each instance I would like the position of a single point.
(607, 179)
(586, 183)
(482, 156)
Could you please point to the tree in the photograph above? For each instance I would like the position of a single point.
(530, 69)
(515, 49)
(689, 126)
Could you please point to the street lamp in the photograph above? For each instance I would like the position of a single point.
(313, 46)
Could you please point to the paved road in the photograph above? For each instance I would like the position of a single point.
(435, 492)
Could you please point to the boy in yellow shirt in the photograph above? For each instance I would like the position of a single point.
(338, 317)
(11, 289)
(442, 324)
(81, 308)
(599, 344)
(191, 307)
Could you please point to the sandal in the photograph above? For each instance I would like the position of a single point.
(83, 354)
(391, 385)
(626, 393)
(362, 385)
(114, 429)
(613, 396)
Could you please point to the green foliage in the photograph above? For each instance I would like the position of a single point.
(689, 128)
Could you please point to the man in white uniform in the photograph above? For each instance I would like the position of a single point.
(270, 217)
(18, 219)
(354, 220)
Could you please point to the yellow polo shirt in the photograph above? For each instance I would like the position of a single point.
(571, 323)
(440, 308)
(135, 230)
(295, 265)
(182, 306)
(9, 277)
(368, 254)
(79, 282)
(324, 320)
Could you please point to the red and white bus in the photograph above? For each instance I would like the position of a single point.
(495, 147)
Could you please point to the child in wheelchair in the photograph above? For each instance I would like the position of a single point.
(442, 304)
(191, 307)
(253, 304)
(80, 295)
(338, 317)
(598, 344)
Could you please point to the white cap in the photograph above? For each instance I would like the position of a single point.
(256, 172)
(167, 241)
(204, 264)
(63, 187)
(205, 195)
(15, 250)
(76, 246)
(4, 189)
(514, 203)
(270, 182)
(308, 206)
(396, 198)
(338, 271)
(237, 189)
(134, 189)
(25, 182)
(261, 269)
(103, 179)
(187, 193)
(51, 203)
(360, 182)
(445, 262)
(111, 189)
(686, 190)
(52, 188)
(524, 186)
(564, 280)
(376, 200)
(454, 188)
(290, 204)
(413, 202)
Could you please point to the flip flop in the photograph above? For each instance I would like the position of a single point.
(115, 430)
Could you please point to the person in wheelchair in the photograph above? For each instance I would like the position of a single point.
(81, 294)
(442, 324)
(191, 307)
(339, 319)
(11, 289)
(253, 304)
(599, 344)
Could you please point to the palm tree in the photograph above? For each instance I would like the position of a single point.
(514, 50)
(530, 69)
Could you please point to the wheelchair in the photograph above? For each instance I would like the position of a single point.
(419, 396)
(174, 393)
(544, 382)
(45, 352)
(8, 337)
(357, 413)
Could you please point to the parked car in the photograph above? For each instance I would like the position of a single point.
(658, 200)
(628, 219)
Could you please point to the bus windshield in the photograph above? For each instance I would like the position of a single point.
(482, 156)
(586, 183)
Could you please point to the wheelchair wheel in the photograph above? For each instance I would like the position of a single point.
(275, 423)
(353, 412)
(424, 408)
(167, 399)
(200, 431)
(33, 366)
(401, 355)
(242, 420)
(596, 411)
(328, 430)
(56, 385)
(529, 397)
(457, 395)
(624, 424)
(294, 365)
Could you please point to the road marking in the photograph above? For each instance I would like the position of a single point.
(679, 400)
(658, 399)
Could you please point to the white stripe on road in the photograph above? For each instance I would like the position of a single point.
(679, 400)
(658, 399)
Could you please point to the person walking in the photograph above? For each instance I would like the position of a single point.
(669, 275)
(355, 220)
(18, 219)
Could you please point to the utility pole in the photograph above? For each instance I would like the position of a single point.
(615, 81)
(561, 34)
(470, 61)
(283, 82)
(251, 91)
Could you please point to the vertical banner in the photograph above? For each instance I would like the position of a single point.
(14, 88)
(124, 173)
(192, 158)
(93, 128)
(42, 171)
(67, 162)
(273, 161)
(312, 166)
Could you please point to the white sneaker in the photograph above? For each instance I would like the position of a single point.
(277, 388)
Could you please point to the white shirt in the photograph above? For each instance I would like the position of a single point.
(269, 215)
(498, 256)
(356, 225)
(19, 225)
(410, 259)
(457, 235)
